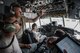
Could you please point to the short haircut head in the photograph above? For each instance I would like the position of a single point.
(15, 5)
(59, 33)
(33, 25)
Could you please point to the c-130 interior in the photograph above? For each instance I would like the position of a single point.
(39, 26)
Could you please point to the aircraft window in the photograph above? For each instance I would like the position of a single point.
(70, 23)
(77, 27)
(27, 25)
(30, 14)
(45, 21)
(58, 20)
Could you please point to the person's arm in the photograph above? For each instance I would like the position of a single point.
(32, 20)
(39, 15)
(24, 45)
(64, 51)
(51, 41)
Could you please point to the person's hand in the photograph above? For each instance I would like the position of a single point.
(42, 12)
(27, 46)
(64, 51)
(51, 41)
